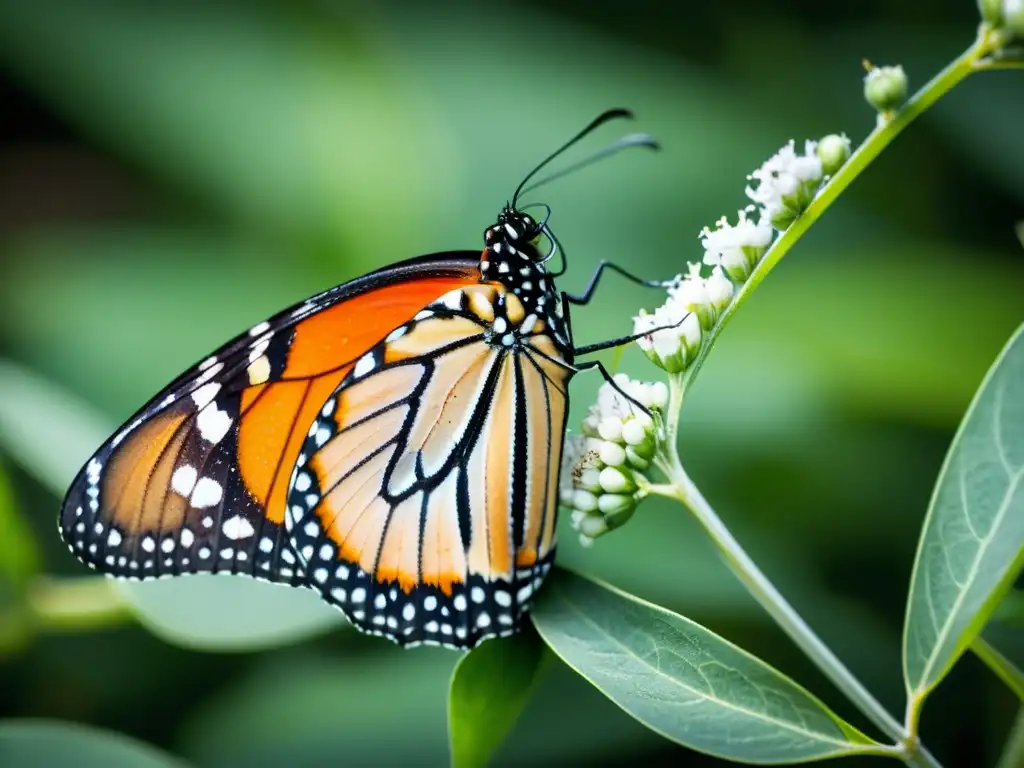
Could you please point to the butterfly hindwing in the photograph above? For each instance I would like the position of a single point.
(196, 481)
(423, 501)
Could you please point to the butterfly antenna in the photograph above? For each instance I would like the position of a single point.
(597, 122)
(632, 140)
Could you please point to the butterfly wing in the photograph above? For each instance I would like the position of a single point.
(197, 480)
(423, 502)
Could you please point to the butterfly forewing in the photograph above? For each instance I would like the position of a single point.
(423, 500)
(197, 480)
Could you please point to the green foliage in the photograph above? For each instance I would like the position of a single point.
(43, 744)
(267, 151)
(972, 544)
(489, 688)
(685, 682)
(19, 552)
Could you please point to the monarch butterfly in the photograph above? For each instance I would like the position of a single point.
(393, 443)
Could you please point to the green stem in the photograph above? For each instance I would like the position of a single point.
(682, 488)
(971, 60)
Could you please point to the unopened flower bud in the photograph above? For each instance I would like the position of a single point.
(584, 501)
(615, 481)
(590, 480)
(613, 454)
(610, 429)
(885, 88)
(637, 460)
(591, 527)
(991, 11)
(634, 433)
(613, 506)
(833, 151)
(1013, 16)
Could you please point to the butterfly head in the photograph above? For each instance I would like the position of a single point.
(514, 232)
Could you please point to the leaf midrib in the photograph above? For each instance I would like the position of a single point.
(944, 632)
(813, 735)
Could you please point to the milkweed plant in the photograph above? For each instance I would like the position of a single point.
(680, 678)
(674, 676)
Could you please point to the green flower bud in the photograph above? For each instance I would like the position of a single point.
(637, 460)
(610, 429)
(612, 454)
(592, 526)
(584, 501)
(991, 11)
(614, 505)
(1013, 16)
(617, 510)
(615, 481)
(885, 88)
(833, 151)
(590, 480)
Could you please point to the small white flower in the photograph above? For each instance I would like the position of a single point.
(787, 182)
(677, 339)
(737, 249)
(720, 290)
(691, 294)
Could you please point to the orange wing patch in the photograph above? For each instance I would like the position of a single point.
(198, 479)
(410, 501)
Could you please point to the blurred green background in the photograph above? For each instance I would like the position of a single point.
(173, 173)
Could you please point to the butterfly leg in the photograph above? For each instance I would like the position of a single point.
(591, 364)
(588, 292)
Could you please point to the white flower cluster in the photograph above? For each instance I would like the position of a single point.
(673, 332)
(787, 183)
(600, 479)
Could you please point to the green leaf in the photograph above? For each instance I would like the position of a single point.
(44, 743)
(489, 688)
(972, 543)
(684, 681)
(200, 611)
(19, 553)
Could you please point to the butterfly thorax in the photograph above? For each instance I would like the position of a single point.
(511, 257)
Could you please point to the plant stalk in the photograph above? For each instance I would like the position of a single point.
(682, 488)
(972, 60)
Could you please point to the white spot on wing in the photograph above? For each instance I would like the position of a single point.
(210, 372)
(256, 330)
(213, 423)
(205, 394)
(183, 480)
(237, 527)
(206, 494)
